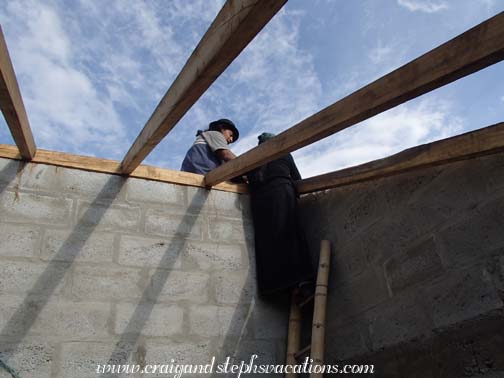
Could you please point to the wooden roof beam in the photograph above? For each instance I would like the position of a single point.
(12, 105)
(481, 142)
(469, 52)
(237, 23)
(93, 164)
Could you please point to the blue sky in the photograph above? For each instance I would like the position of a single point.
(91, 73)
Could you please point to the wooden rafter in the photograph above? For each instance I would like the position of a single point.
(12, 105)
(235, 26)
(93, 164)
(471, 51)
(469, 145)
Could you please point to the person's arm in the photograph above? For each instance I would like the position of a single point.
(225, 154)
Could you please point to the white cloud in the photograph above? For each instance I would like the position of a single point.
(269, 87)
(91, 74)
(66, 110)
(380, 54)
(383, 135)
(427, 6)
(279, 80)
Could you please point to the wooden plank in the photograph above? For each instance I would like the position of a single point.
(469, 145)
(237, 23)
(93, 164)
(471, 51)
(319, 308)
(12, 105)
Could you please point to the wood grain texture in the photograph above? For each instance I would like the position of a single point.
(237, 23)
(12, 105)
(469, 145)
(471, 51)
(93, 164)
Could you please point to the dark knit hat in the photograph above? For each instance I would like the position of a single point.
(264, 137)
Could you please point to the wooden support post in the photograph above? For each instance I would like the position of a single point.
(237, 23)
(294, 334)
(12, 105)
(471, 51)
(481, 142)
(319, 311)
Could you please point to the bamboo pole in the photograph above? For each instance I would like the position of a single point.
(294, 333)
(319, 311)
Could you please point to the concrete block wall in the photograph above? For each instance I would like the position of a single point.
(417, 276)
(96, 268)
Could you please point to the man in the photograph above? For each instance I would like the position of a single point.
(283, 261)
(210, 148)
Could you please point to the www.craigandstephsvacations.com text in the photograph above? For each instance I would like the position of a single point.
(251, 367)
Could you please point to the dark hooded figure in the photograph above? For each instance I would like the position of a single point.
(282, 258)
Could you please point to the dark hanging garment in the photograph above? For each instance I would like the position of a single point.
(282, 257)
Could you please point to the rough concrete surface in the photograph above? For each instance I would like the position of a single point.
(97, 268)
(417, 271)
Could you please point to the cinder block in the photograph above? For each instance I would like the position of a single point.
(8, 172)
(230, 230)
(138, 190)
(83, 320)
(108, 217)
(22, 277)
(419, 264)
(444, 194)
(106, 283)
(348, 212)
(66, 245)
(148, 319)
(224, 321)
(460, 296)
(350, 340)
(477, 233)
(175, 286)
(245, 206)
(33, 208)
(171, 223)
(81, 359)
(396, 321)
(214, 256)
(243, 349)
(234, 287)
(14, 315)
(493, 166)
(30, 359)
(392, 235)
(72, 181)
(180, 353)
(153, 253)
(202, 200)
(356, 296)
(18, 240)
(402, 190)
(271, 320)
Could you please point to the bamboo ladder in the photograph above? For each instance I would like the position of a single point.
(316, 348)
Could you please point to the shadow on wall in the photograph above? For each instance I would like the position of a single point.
(257, 325)
(38, 296)
(239, 341)
(11, 171)
(129, 338)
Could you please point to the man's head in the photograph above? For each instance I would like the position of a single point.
(226, 127)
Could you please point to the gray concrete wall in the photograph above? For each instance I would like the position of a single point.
(417, 277)
(94, 268)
